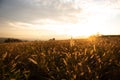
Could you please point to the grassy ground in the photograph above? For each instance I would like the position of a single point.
(96, 59)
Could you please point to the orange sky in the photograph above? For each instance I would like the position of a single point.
(44, 19)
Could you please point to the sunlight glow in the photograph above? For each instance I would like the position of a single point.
(90, 26)
(80, 31)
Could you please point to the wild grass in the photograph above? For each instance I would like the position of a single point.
(58, 60)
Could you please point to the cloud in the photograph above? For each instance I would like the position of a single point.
(29, 10)
(57, 10)
(22, 29)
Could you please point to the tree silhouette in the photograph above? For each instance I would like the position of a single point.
(12, 40)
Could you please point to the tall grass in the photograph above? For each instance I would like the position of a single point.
(58, 60)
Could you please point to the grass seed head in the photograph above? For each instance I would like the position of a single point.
(33, 61)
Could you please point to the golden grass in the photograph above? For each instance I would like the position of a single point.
(61, 60)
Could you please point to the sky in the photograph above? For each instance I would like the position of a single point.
(60, 19)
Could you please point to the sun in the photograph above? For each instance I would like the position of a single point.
(93, 25)
(81, 31)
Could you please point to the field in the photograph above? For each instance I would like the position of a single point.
(85, 59)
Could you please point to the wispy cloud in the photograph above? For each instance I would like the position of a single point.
(65, 11)
(27, 10)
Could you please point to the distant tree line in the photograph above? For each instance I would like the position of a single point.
(9, 40)
(53, 39)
